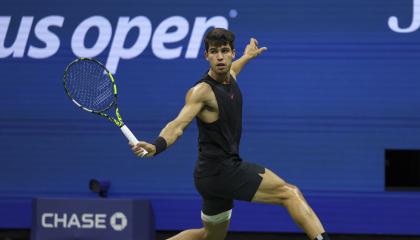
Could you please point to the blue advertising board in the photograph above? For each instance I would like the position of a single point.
(92, 219)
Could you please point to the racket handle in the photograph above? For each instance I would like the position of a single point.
(131, 138)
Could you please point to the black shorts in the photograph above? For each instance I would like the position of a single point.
(237, 180)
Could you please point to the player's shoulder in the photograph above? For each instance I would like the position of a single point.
(200, 92)
(201, 89)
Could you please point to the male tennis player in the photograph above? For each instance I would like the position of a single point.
(220, 174)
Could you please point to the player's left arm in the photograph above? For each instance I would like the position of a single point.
(251, 51)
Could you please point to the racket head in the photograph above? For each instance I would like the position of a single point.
(90, 85)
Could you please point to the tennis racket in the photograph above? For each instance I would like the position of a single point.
(92, 88)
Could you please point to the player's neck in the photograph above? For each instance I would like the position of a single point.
(222, 78)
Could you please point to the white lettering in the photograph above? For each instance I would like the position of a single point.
(44, 220)
(100, 221)
(162, 36)
(87, 220)
(73, 221)
(79, 35)
(58, 220)
(165, 40)
(52, 42)
(415, 23)
(118, 51)
(199, 29)
(18, 47)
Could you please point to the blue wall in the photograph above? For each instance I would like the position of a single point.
(338, 85)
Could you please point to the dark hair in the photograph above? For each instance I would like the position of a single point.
(218, 37)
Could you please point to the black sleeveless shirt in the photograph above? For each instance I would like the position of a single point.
(218, 141)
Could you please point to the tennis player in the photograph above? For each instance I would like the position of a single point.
(220, 174)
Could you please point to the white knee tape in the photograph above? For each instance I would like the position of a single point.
(215, 219)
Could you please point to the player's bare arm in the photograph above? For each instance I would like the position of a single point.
(195, 100)
(251, 51)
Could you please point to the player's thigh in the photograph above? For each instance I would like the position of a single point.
(273, 189)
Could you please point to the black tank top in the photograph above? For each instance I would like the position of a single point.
(218, 142)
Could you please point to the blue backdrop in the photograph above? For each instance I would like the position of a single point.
(338, 85)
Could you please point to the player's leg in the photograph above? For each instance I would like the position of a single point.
(275, 190)
(216, 231)
(214, 228)
(190, 234)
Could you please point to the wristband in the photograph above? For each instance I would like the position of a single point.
(160, 145)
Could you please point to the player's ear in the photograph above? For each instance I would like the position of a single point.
(206, 55)
(233, 53)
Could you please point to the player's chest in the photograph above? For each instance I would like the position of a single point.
(226, 97)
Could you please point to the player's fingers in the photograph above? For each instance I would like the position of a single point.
(263, 49)
(140, 152)
(134, 146)
(145, 154)
(252, 42)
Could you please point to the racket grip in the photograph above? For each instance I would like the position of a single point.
(131, 138)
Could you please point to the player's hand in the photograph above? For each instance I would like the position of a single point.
(252, 50)
(139, 148)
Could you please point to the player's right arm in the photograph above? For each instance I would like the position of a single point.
(194, 103)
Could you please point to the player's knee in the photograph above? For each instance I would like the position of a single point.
(293, 193)
(294, 190)
(216, 225)
(216, 219)
(287, 193)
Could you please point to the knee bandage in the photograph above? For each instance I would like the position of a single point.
(218, 218)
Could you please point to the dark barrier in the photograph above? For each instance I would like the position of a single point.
(92, 219)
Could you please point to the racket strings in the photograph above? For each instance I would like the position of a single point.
(89, 85)
(104, 90)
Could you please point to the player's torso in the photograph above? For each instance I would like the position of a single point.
(228, 96)
(220, 125)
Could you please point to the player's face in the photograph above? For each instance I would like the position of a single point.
(220, 58)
